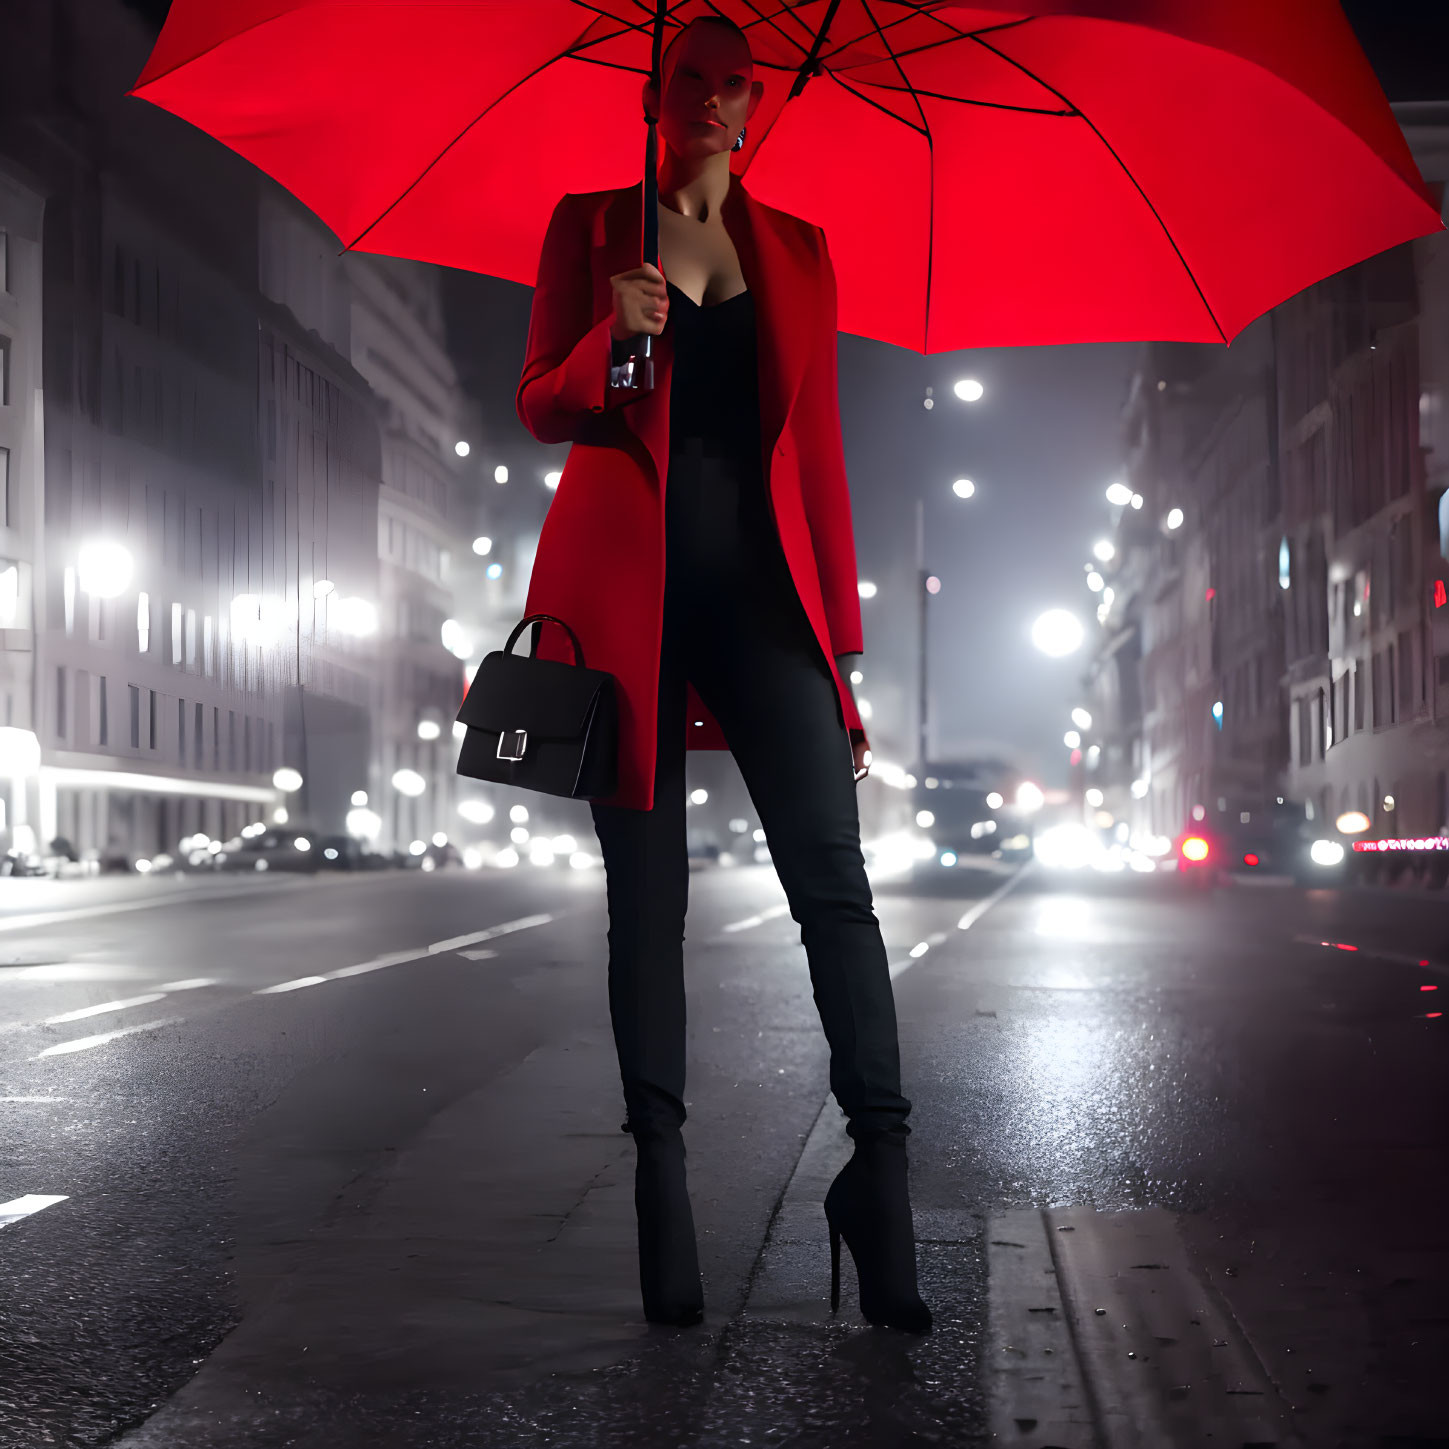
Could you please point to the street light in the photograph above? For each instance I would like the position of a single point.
(408, 782)
(963, 488)
(551, 478)
(288, 780)
(1119, 494)
(1082, 719)
(500, 473)
(1057, 633)
(1104, 551)
(461, 448)
(1173, 520)
(1096, 582)
(482, 545)
(105, 568)
(429, 729)
(969, 390)
(867, 589)
(1072, 740)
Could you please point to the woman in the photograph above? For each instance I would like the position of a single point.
(731, 615)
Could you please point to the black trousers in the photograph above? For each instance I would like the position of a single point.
(732, 610)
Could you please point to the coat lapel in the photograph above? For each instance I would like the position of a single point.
(778, 270)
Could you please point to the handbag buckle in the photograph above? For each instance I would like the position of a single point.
(517, 739)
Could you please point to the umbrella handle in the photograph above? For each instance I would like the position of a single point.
(636, 372)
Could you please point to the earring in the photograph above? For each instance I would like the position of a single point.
(739, 141)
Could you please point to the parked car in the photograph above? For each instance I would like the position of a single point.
(346, 852)
(272, 849)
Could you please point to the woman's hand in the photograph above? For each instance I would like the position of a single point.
(861, 752)
(641, 303)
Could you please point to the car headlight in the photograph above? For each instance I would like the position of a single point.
(1326, 853)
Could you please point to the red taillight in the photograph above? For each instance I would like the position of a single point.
(1251, 859)
(1195, 848)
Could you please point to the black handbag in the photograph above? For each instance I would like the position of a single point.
(541, 724)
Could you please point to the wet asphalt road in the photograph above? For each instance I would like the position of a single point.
(393, 1207)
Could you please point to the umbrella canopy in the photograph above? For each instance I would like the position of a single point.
(1094, 170)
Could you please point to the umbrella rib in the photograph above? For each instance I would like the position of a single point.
(417, 180)
(884, 110)
(1126, 171)
(954, 34)
(970, 101)
(931, 152)
(762, 19)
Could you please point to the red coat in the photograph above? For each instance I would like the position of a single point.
(600, 561)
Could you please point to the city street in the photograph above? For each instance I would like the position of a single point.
(337, 1162)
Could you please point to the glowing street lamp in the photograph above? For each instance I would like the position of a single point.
(1057, 633)
(867, 589)
(1104, 551)
(1119, 495)
(1173, 520)
(482, 545)
(461, 448)
(408, 782)
(963, 488)
(287, 780)
(104, 568)
(969, 390)
(1082, 719)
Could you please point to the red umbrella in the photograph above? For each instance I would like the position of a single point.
(1095, 170)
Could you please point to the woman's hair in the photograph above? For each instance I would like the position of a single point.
(722, 21)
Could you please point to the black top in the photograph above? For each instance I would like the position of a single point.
(715, 388)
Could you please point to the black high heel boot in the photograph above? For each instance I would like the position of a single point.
(668, 1258)
(869, 1206)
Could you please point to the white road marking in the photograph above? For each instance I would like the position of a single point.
(522, 924)
(397, 958)
(34, 1099)
(86, 1042)
(749, 921)
(194, 983)
(922, 948)
(981, 907)
(482, 954)
(22, 1207)
(104, 1007)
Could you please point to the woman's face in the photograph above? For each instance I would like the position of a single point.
(709, 91)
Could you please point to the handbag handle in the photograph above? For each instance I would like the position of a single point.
(528, 619)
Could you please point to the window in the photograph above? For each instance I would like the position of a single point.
(181, 730)
(247, 743)
(135, 716)
(196, 737)
(176, 633)
(1305, 732)
(4, 370)
(153, 719)
(1406, 673)
(231, 739)
(4, 260)
(7, 503)
(216, 737)
(143, 621)
(103, 722)
(60, 697)
(1358, 694)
